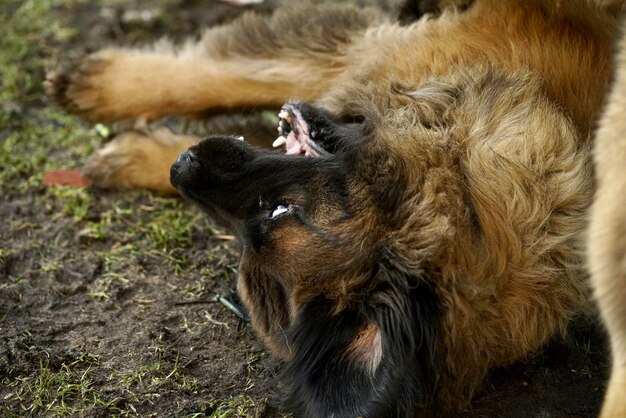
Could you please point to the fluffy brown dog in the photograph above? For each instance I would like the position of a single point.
(437, 229)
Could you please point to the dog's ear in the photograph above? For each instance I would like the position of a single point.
(376, 358)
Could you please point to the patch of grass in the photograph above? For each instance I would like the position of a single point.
(114, 270)
(253, 358)
(116, 223)
(94, 230)
(170, 228)
(143, 382)
(101, 289)
(28, 23)
(237, 406)
(66, 391)
(156, 371)
(36, 144)
(117, 255)
(74, 389)
(4, 252)
(33, 138)
(75, 200)
(218, 265)
(48, 265)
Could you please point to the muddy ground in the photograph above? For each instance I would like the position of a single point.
(107, 299)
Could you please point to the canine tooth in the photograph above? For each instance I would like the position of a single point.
(281, 140)
(280, 129)
(240, 138)
(283, 114)
(279, 210)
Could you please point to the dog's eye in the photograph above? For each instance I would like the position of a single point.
(280, 209)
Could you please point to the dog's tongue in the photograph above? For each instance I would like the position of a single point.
(293, 146)
(298, 140)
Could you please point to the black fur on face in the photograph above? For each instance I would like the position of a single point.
(357, 330)
(325, 380)
(238, 183)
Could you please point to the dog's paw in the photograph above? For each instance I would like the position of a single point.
(79, 86)
(114, 165)
(136, 159)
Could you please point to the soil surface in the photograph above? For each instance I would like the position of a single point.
(109, 299)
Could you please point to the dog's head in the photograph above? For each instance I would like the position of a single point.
(356, 326)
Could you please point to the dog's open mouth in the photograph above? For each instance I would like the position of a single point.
(295, 133)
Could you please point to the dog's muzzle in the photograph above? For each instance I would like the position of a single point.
(184, 168)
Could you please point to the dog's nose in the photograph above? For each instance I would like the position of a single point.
(187, 157)
(184, 164)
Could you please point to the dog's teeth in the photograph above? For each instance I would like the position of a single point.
(283, 114)
(240, 138)
(281, 140)
(279, 211)
(280, 129)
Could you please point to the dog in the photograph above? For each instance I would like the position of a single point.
(426, 221)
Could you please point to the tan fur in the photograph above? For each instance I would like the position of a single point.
(196, 84)
(607, 244)
(488, 114)
(526, 274)
(366, 347)
(138, 159)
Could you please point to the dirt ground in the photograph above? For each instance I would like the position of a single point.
(108, 299)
